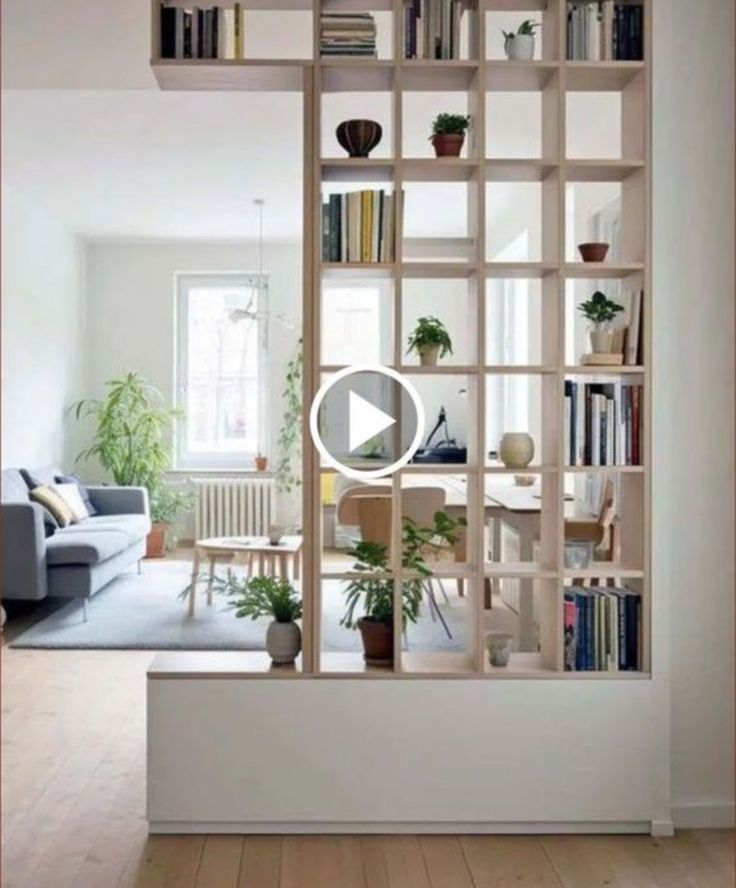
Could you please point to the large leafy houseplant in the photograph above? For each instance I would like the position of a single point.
(369, 598)
(264, 596)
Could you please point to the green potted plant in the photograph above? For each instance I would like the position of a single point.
(132, 434)
(448, 134)
(430, 340)
(166, 503)
(373, 592)
(600, 312)
(268, 597)
(519, 45)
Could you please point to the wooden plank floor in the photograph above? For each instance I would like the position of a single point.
(73, 813)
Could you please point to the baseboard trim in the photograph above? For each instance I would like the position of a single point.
(704, 816)
(337, 828)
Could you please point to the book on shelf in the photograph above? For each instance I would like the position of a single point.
(603, 423)
(432, 29)
(633, 347)
(358, 227)
(605, 31)
(602, 629)
(348, 34)
(201, 33)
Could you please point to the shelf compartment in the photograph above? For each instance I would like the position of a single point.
(243, 75)
(519, 269)
(518, 570)
(600, 76)
(510, 76)
(356, 75)
(518, 170)
(436, 663)
(440, 169)
(358, 269)
(430, 75)
(601, 170)
(431, 270)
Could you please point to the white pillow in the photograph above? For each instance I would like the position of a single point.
(71, 496)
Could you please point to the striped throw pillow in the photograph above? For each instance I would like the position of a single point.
(51, 500)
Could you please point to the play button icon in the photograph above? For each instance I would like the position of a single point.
(366, 421)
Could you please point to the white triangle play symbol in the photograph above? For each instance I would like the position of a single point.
(365, 421)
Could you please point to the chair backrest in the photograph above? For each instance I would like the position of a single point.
(607, 511)
(346, 511)
(421, 503)
(374, 518)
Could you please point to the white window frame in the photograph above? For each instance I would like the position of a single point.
(213, 461)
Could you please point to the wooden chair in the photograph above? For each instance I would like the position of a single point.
(601, 530)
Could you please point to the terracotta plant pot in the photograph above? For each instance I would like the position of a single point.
(156, 541)
(516, 450)
(448, 144)
(378, 642)
(261, 463)
(283, 642)
(593, 252)
(601, 341)
(359, 137)
(429, 355)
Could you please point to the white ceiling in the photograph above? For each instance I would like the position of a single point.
(141, 163)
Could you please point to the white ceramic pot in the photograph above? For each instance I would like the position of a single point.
(498, 645)
(520, 48)
(283, 642)
(429, 355)
(516, 450)
(601, 341)
(275, 532)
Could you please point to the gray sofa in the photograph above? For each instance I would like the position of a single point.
(76, 561)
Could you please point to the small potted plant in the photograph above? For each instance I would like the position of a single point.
(519, 46)
(601, 312)
(268, 597)
(448, 134)
(165, 503)
(430, 340)
(375, 587)
(261, 463)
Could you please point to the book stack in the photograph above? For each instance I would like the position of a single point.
(351, 34)
(602, 629)
(603, 423)
(432, 29)
(196, 33)
(605, 31)
(358, 227)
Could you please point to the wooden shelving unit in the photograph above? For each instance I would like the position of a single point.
(554, 79)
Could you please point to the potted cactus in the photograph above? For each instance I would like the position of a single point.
(448, 134)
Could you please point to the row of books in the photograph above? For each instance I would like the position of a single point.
(605, 31)
(213, 33)
(432, 29)
(603, 629)
(350, 34)
(358, 227)
(603, 423)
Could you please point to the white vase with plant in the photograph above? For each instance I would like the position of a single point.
(600, 312)
(430, 340)
(519, 45)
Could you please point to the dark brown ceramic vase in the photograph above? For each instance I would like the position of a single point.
(448, 144)
(378, 642)
(359, 137)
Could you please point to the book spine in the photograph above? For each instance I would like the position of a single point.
(325, 232)
(187, 35)
(570, 638)
(568, 422)
(334, 227)
(215, 31)
(343, 227)
(365, 227)
(167, 49)
(196, 34)
(238, 30)
(635, 425)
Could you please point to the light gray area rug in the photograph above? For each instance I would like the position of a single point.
(145, 613)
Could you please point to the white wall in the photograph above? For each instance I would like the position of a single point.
(42, 333)
(694, 391)
(131, 309)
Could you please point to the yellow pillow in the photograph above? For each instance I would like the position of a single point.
(51, 500)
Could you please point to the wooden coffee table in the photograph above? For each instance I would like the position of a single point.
(245, 550)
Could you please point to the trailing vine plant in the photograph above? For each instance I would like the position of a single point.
(289, 445)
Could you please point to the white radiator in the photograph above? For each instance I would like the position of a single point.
(234, 506)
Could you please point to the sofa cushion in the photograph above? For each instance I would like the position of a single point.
(93, 547)
(13, 487)
(135, 527)
(45, 476)
(83, 492)
(52, 501)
